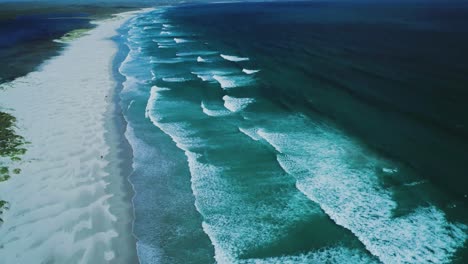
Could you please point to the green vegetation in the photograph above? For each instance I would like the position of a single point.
(4, 174)
(3, 204)
(10, 143)
(11, 146)
(74, 34)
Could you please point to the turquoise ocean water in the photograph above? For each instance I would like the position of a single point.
(298, 133)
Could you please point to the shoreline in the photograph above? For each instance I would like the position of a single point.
(123, 149)
(74, 191)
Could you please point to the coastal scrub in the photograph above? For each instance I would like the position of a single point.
(11, 147)
(74, 34)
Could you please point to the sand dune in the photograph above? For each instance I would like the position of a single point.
(71, 202)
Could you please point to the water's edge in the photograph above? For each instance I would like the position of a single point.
(117, 123)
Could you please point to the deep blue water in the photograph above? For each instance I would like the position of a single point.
(299, 132)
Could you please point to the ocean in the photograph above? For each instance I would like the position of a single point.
(298, 132)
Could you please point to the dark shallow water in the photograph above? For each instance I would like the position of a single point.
(26, 40)
(299, 132)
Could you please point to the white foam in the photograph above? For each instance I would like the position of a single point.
(225, 81)
(334, 255)
(134, 42)
(250, 132)
(246, 71)
(233, 58)
(267, 137)
(168, 61)
(204, 77)
(414, 183)
(109, 255)
(130, 104)
(340, 176)
(165, 46)
(390, 170)
(208, 75)
(215, 72)
(196, 53)
(154, 94)
(181, 40)
(127, 59)
(178, 131)
(163, 41)
(230, 235)
(200, 59)
(234, 104)
(176, 79)
(232, 81)
(149, 253)
(214, 113)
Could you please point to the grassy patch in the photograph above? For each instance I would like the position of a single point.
(10, 143)
(12, 147)
(3, 205)
(74, 34)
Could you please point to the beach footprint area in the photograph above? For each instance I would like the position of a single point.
(71, 202)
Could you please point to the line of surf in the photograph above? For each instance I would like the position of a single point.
(340, 176)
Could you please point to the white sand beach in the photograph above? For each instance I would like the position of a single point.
(72, 202)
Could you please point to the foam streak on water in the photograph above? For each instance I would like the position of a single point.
(196, 53)
(232, 81)
(325, 255)
(250, 132)
(234, 104)
(214, 112)
(153, 96)
(181, 40)
(246, 71)
(234, 58)
(176, 79)
(340, 176)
